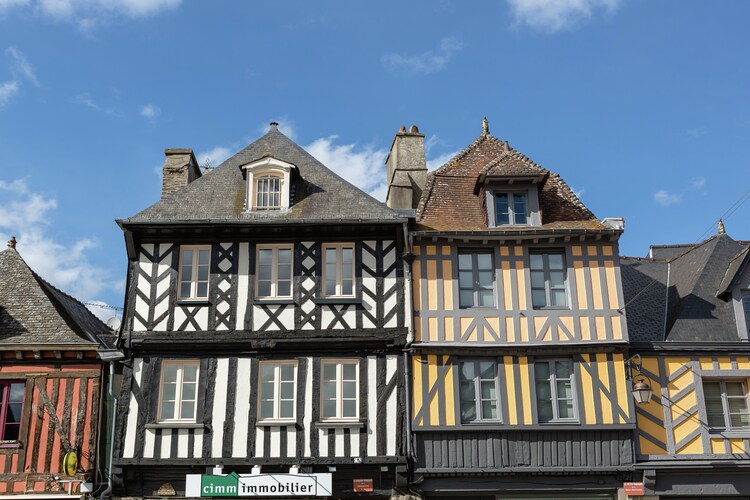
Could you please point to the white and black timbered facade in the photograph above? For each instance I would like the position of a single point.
(264, 326)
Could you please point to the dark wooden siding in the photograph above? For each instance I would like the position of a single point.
(473, 450)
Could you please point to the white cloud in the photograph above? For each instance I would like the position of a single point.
(426, 62)
(86, 100)
(22, 67)
(27, 215)
(697, 132)
(150, 111)
(9, 4)
(699, 183)
(578, 192)
(213, 157)
(7, 91)
(363, 166)
(665, 198)
(556, 15)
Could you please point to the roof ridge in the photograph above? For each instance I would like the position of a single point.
(47, 283)
(475, 144)
(426, 194)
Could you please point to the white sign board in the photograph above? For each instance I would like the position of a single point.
(258, 485)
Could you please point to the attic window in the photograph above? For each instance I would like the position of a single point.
(512, 204)
(268, 182)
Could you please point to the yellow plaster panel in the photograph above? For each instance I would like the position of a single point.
(449, 337)
(431, 250)
(585, 330)
(416, 369)
(576, 250)
(601, 329)
(707, 363)
(617, 322)
(587, 388)
(567, 322)
(592, 250)
(618, 365)
(717, 446)
(504, 251)
(417, 282)
(446, 250)
(432, 285)
(518, 251)
(607, 250)
(432, 369)
(649, 448)
(684, 429)
(743, 364)
(418, 328)
(724, 363)
(432, 329)
(596, 285)
(673, 364)
(510, 380)
(580, 284)
(417, 249)
(465, 323)
(447, 285)
(683, 381)
(523, 364)
(494, 324)
(687, 402)
(450, 394)
(538, 324)
(524, 329)
(694, 447)
(651, 364)
(507, 289)
(510, 332)
(603, 372)
(521, 277)
(609, 271)
(736, 446)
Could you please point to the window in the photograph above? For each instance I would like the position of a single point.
(11, 406)
(476, 279)
(179, 383)
(746, 308)
(338, 272)
(555, 390)
(274, 271)
(267, 192)
(277, 390)
(194, 263)
(548, 287)
(340, 390)
(511, 208)
(726, 404)
(478, 388)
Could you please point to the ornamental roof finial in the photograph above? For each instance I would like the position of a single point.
(722, 229)
(485, 126)
(12, 242)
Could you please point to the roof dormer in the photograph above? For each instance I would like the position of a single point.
(268, 184)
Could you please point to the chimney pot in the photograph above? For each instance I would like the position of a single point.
(407, 169)
(402, 130)
(413, 130)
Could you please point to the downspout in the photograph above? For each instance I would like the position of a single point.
(408, 304)
(666, 301)
(111, 355)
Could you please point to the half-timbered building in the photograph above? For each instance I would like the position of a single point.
(264, 329)
(688, 317)
(50, 386)
(517, 372)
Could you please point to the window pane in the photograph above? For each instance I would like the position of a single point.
(468, 411)
(329, 371)
(740, 420)
(465, 279)
(520, 217)
(543, 391)
(13, 415)
(330, 272)
(347, 255)
(265, 256)
(170, 373)
(202, 289)
(287, 390)
(187, 272)
(203, 257)
(185, 289)
(286, 410)
(564, 390)
(489, 409)
(266, 409)
(287, 372)
(330, 256)
(712, 390)
(466, 298)
(559, 298)
(487, 369)
(329, 390)
(285, 255)
(329, 408)
(566, 409)
(264, 272)
(285, 272)
(538, 298)
(167, 410)
(350, 372)
(188, 392)
(169, 392)
(485, 279)
(488, 390)
(350, 408)
(187, 258)
(555, 261)
(350, 390)
(537, 279)
(16, 392)
(467, 391)
(485, 298)
(464, 261)
(264, 288)
(484, 261)
(187, 410)
(189, 373)
(12, 432)
(556, 279)
(267, 390)
(467, 371)
(541, 370)
(330, 287)
(563, 369)
(267, 372)
(347, 288)
(536, 261)
(284, 288)
(734, 388)
(544, 409)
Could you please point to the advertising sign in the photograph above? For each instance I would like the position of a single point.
(362, 485)
(258, 485)
(634, 489)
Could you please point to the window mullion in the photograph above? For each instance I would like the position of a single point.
(339, 390)
(725, 405)
(5, 390)
(478, 390)
(276, 391)
(547, 280)
(339, 271)
(553, 391)
(274, 271)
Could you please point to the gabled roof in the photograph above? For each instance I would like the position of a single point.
(452, 202)
(736, 267)
(682, 292)
(316, 194)
(33, 312)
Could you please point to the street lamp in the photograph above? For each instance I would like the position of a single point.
(641, 389)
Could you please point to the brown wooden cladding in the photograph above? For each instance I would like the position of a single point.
(60, 413)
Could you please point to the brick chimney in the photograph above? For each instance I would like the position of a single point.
(180, 169)
(407, 169)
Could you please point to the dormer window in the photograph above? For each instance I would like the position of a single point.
(511, 208)
(512, 204)
(268, 184)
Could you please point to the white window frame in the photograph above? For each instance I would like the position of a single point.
(274, 270)
(181, 364)
(546, 270)
(277, 391)
(257, 177)
(339, 363)
(553, 391)
(478, 400)
(725, 403)
(339, 247)
(193, 273)
(263, 167)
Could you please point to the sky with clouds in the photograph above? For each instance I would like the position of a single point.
(641, 106)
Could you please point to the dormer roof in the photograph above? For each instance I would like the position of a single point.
(317, 194)
(33, 313)
(453, 196)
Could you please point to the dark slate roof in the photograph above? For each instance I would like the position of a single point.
(735, 269)
(695, 277)
(668, 251)
(452, 202)
(317, 194)
(644, 284)
(33, 312)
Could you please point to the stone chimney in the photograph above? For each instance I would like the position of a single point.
(180, 169)
(407, 169)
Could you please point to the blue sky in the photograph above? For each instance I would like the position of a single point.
(641, 106)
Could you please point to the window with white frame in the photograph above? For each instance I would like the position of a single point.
(476, 279)
(555, 390)
(478, 389)
(338, 270)
(274, 271)
(511, 208)
(278, 384)
(726, 404)
(340, 389)
(267, 192)
(194, 270)
(178, 391)
(548, 283)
